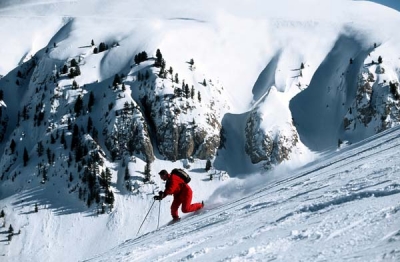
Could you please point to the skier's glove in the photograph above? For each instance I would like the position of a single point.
(157, 197)
(160, 196)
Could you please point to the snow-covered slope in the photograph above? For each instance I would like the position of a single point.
(278, 80)
(343, 207)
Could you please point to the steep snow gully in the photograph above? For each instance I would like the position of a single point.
(332, 89)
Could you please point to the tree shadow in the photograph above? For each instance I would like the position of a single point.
(61, 205)
(198, 170)
(27, 213)
(136, 178)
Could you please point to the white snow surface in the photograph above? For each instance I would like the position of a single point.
(342, 206)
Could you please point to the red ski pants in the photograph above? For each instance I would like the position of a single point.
(184, 198)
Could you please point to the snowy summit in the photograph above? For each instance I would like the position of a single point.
(285, 114)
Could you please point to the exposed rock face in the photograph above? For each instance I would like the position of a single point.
(209, 145)
(376, 105)
(363, 108)
(272, 146)
(130, 133)
(180, 139)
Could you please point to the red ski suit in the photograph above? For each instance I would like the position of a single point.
(182, 195)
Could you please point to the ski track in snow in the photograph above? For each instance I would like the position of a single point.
(339, 207)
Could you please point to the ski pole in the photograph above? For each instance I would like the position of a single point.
(159, 210)
(145, 217)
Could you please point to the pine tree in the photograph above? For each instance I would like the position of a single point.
(2, 214)
(208, 165)
(92, 43)
(393, 90)
(77, 71)
(36, 208)
(162, 69)
(108, 177)
(10, 229)
(103, 179)
(40, 149)
(25, 113)
(49, 156)
(199, 96)
(75, 137)
(127, 175)
(176, 78)
(158, 58)
(380, 60)
(12, 146)
(109, 197)
(64, 69)
(143, 56)
(95, 134)
(117, 80)
(89, 124)
(178, 92)
(79, 152)
(74, 84)
(204, 83)
(187, 91)
(71, 73)
(62, 140)
(102, 47)
(73, 62)
(78, 105)
(91, 101)
(52, 139)
(147, 172)
(25, 157)
(192, 92)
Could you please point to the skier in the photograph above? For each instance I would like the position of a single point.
(182, 194)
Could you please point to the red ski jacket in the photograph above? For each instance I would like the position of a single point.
(182, 195)
(174, 185)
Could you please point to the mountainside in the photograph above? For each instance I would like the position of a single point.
(96, 98)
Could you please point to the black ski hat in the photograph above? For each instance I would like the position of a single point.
(163, 172)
